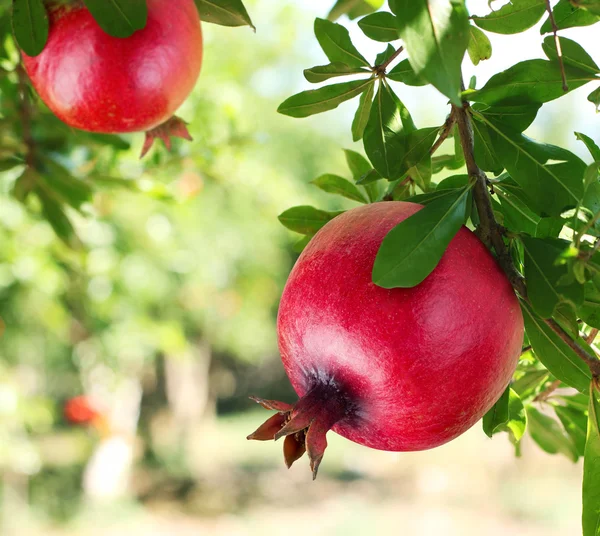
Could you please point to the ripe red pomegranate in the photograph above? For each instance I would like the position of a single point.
(80, 410)
(400, 369)
(99, 83)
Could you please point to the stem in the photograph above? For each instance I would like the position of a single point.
(492, 233)
(545, 394)
(380, 69)
(558, 47)
(592, 336)
(446, 129)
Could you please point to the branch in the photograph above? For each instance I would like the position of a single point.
(445, 132)
(545, 394)
(380, 69)
(558, 47)
(490, 232)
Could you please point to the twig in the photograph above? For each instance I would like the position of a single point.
(445, 132)
(592, 361)
(380, 69)
(545, 394)
(558, 47)
(592, 336)
(526, 349)
(489, 230)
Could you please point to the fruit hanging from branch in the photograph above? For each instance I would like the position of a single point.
(100, 83)
(401, 369)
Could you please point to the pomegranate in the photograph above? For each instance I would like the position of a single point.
(99, 83)
(400, 369)
(80, 410)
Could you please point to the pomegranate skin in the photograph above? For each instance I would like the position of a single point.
(99, 83)
(421, 365)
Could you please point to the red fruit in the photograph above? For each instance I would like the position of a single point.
(400, 369)
(99, 83)
(80, 410)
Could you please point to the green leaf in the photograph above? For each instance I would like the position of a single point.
(58, 179)
(9, 163)
(361, 169)
(224, 12)
(497, 416)
(530, 382)
(305, 219)
(353, 8)
(514, 17)
(30, 25)
(518, 117)
(573, 54)
(566, 15)
(480, 47)
(591, 468)
(55, 215)
(590, 144)
(549, 434)
(594, 98)
(575, 423)
(320, 73)
(334, 184)
(517, 216)
(316, 101)
(535, 81)
(517, 417)
(436, 36)
(428, 198)
(384, 137)
(590, 311)
(381, 26)
(362, 113)
(550, 188)
(403, 72)
(412, 249)
(485, 152)
(119, 18)
(554, 353)
(335, 42)
(542, 275)
(593, 6)
(299, 246)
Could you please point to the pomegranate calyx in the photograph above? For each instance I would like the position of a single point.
(303, 425)
(174, 127)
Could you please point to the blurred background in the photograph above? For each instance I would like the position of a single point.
(164, 318)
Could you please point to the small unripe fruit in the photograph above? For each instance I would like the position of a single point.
(400, 369)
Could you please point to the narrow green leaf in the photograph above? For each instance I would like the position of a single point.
(337, 45)
(30, 25)
(566, 15)
(230, 13)
(530, 383)
(480, 47)
(334, 184)
(591, 467)
(485, 152)
(428, 198)
(543, 274)
(362, 170)
(320, 73)
(593, 6)
(381, 26)
(305, 219)
(119, 18)
(517, 216)
(58, 179)
(554, 353)
(412, 249)
(590, 311)
(316, 101)
(55, 215)
(384, 56)
(572, 54)
(549, 435)
(384, 136)
(550, 188)
(436, 35)
(497, 417)
(536, 81)
(403, 72)
(362, 113)
(514, 17)
(353, 8)
(9, 163)
(517, 417)
(517, 117)
(575, 423)
(591, 145)
(594, 98)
